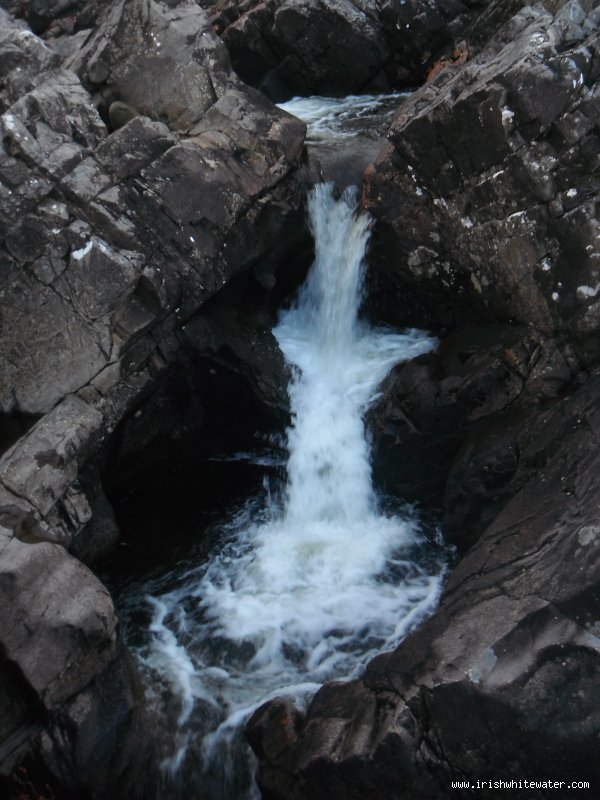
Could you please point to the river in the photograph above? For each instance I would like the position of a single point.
(311, 576)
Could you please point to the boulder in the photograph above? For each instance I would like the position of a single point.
(112, 241)
(485, 199)
(486, 192)
(499, 683)
(302, 47)
(59, 645)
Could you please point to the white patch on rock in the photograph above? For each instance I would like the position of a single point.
(572, 192)
(508, 115)
(25, 34)
(483, 666)
(587, 534)
(79, 254)
(467, 222)
(413, 259)
(555, 296)
(587, 291)
(10, 123)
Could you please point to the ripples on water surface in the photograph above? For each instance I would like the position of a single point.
(337, 118)
(310, 578)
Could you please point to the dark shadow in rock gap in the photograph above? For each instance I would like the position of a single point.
(13, 426)
(181, 461)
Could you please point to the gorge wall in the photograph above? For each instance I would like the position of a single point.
(116, 232)
(152, 218)
(486, 197)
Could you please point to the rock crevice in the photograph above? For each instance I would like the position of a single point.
(114, 237)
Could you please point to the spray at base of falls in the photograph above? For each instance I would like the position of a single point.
(311, 587)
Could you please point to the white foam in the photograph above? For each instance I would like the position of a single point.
(330, 118)
(312, 588)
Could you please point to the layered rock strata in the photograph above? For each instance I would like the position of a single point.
(487, 199)
(487, 190)
(112, 240)
(296, 47)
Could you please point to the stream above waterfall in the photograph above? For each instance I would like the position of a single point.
(311, 573)
(344, 134)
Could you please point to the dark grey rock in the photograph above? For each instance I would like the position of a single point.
(24, 57)
(487, 190)
(63, 628)
(43, 465)
(485, 197)
(151, 57)
(94, 209)
(480, 689)
(279, 716)
(297, 47)
(120, 114)
(110, 244)
(449, 426)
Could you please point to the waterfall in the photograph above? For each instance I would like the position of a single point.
(310, 588)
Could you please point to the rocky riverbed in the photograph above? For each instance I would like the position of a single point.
(152, 214)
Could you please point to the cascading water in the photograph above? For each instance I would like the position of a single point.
(308, 587)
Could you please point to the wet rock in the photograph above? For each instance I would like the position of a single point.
(448, 427)
(480, 689)
(294, 47)
(486, 208)
(111, 244)
(105, 723)
(486, 191)
(281, 716)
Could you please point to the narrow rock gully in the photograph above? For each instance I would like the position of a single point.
(239, 399)
(293, 569)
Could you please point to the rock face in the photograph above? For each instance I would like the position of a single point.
(487, 190)
(486, 197)
(300, 47)
(113, 233)
(499, 682)
(112, 240)
(446, 428)
(143, 190)
(487, 200)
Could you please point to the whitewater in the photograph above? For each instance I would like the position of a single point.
(310, 579)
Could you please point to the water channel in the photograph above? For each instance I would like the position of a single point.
(311, 575)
